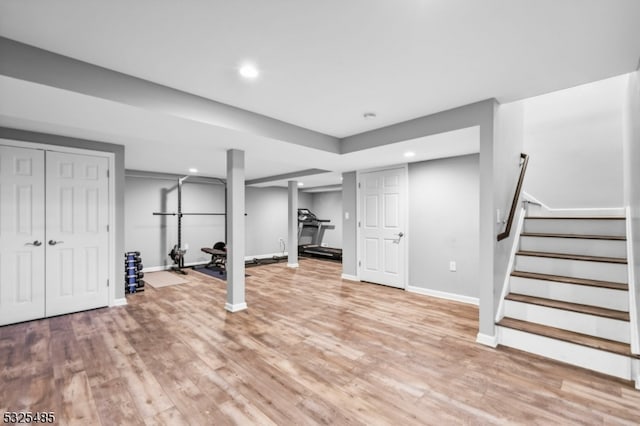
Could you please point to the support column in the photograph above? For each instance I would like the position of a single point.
(235, 231)
(292, 261)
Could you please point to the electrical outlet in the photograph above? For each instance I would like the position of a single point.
(452, 266)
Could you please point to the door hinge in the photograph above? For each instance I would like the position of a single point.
(358, 224)
(359, 263)
(107, 282)
(107, 228)
(107, 172)
(359, 185)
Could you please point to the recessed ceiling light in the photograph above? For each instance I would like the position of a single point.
(300, 184)
(409, 154)
(249, 71)
(193, 170)
(369, 115)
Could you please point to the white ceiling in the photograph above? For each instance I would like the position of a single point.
(324, 64)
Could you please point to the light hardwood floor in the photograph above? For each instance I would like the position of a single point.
(311, 349)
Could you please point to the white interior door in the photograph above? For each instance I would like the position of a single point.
(22, 234)
(382, 226)
(77, 232)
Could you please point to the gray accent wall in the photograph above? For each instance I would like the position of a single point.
(119, 190)
(444, 200)
(632, 174)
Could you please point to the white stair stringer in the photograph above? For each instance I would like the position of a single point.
(578, 322)
(574, 293)
(605, 362)
(603, 271)
(580, 246)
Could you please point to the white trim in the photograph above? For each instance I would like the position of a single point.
(444, 295)
(512, 258)
(571, 353)
(633, 306)
(487, 340)
(235, 308)
(545, 210)
(113, 225)
(405, 167)
(349, 277)
(293, 265)
(119, 302)
(266, 256)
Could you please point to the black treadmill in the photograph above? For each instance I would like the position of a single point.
(306, 219)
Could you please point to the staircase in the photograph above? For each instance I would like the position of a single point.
(568, 295)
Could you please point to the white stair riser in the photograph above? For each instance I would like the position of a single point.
(577, 226)
(582, 294)
(587, 247)
(570, 353)
(614, 272)
(592, 325)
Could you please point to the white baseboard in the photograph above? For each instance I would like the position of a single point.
(443, 295)
(487, 340)
(266, 256)
(201, 263)
(349, 277)
(293, 265)
(119, 302)
(235, 308)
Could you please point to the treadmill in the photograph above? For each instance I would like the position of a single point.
(307, 219)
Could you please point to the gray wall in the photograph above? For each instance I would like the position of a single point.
(444, 224)
(632, 172)
(117, 150)
(349, 229)
(154, 236)
(328, 205)
(508, 145)
(267, 212)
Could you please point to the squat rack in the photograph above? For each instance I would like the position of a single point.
(180, 252)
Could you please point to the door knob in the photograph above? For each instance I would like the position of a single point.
(54, 242)
(35, 243)
(400, 234)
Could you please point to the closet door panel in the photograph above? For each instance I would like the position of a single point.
(22, 234)
(77, 235)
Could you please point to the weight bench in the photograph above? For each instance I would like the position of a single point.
(218, 255)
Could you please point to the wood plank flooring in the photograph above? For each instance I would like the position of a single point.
(311, 349)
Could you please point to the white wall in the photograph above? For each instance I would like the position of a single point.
(574, 139)
(444, 224)
(632, 173)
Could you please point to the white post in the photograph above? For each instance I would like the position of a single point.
(292, 260)
(235, 231)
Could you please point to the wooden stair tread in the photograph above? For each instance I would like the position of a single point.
(619, 260)
(568, 336)
(568, 306)
(571, 280)
(577, 217)
(577, 236)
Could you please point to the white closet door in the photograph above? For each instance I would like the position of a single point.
(77, 236)
(22, 249)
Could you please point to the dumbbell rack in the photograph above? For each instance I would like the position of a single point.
(133, 272)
